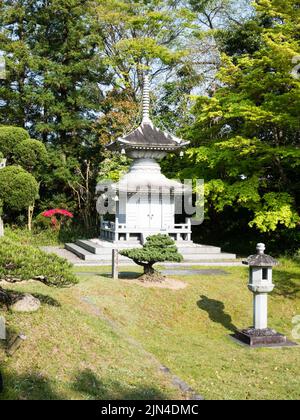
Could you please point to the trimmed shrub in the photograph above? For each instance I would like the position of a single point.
(30, 153)
(10, 137)
(158, 248)
(20, 262)
(18, 188)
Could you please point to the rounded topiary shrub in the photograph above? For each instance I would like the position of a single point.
(10, 137)
(18, 188)
(30, 153)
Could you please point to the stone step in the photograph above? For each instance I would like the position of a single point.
(91, 257)
(200, 249)
(106, 255)
(99, 249)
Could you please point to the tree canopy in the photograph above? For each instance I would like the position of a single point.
(224, 74)
(245, 138)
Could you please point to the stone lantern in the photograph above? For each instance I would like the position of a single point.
(260, 284)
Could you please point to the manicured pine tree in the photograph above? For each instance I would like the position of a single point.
(158, 248)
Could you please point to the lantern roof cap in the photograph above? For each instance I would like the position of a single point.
(261, 259)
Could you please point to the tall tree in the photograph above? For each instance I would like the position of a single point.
(54, 64)
(140, 35)
(18, 86)
(245, 141)
(70, 66)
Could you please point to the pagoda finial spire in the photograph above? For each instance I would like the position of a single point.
(146, 99)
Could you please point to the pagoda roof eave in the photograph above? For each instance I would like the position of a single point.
(121, 143)
(148, 137)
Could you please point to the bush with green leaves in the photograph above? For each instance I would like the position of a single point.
(10, 137)
(18, 188)
(19, 262)
(158, 248)
(30, 154)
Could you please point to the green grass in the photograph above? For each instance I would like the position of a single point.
(48, 237)
(96, 344)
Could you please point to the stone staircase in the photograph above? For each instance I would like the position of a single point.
(98, 251)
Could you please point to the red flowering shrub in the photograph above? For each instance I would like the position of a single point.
(55, 221)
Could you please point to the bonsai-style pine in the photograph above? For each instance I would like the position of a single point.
(20, 262)
(158, 248)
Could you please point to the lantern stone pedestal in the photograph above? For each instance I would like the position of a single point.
(261, 338)
(260, 284)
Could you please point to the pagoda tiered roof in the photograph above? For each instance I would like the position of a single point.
(147, 136)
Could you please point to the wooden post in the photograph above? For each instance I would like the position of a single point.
(15, 344)
(115, 264)
(2, 328)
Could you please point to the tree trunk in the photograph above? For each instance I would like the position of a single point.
(149, 270)
(30, 217)
(1, 228)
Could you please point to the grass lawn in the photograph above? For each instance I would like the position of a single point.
(93, 341)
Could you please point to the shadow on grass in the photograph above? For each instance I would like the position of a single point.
(16, 296)
(216, 312)
(86, 382)
(35, 386)
(287, 284)
(47, 300)
(27, 387)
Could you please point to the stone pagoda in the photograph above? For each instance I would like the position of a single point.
(145, 198)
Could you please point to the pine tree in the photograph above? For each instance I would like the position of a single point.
(17, 89)
(158, 248)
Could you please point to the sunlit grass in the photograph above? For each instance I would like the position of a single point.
(80, 349)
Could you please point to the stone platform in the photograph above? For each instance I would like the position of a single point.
(98, 251)
(262, 338)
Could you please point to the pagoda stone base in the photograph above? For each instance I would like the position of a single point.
(97, 250)
(262, 338)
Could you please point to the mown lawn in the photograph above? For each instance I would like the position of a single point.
(93, 341)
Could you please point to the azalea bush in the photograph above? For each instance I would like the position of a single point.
(57, 217)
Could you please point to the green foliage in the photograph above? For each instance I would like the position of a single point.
(18, 188)
(30, 154)
(37, 237)
(245, 138)
(44, 236)
(158, 248)
(53, 66)
(277, 209)
(297, 256)
(113, 167)
(138, 33)
(19, 262)
(10, 137)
